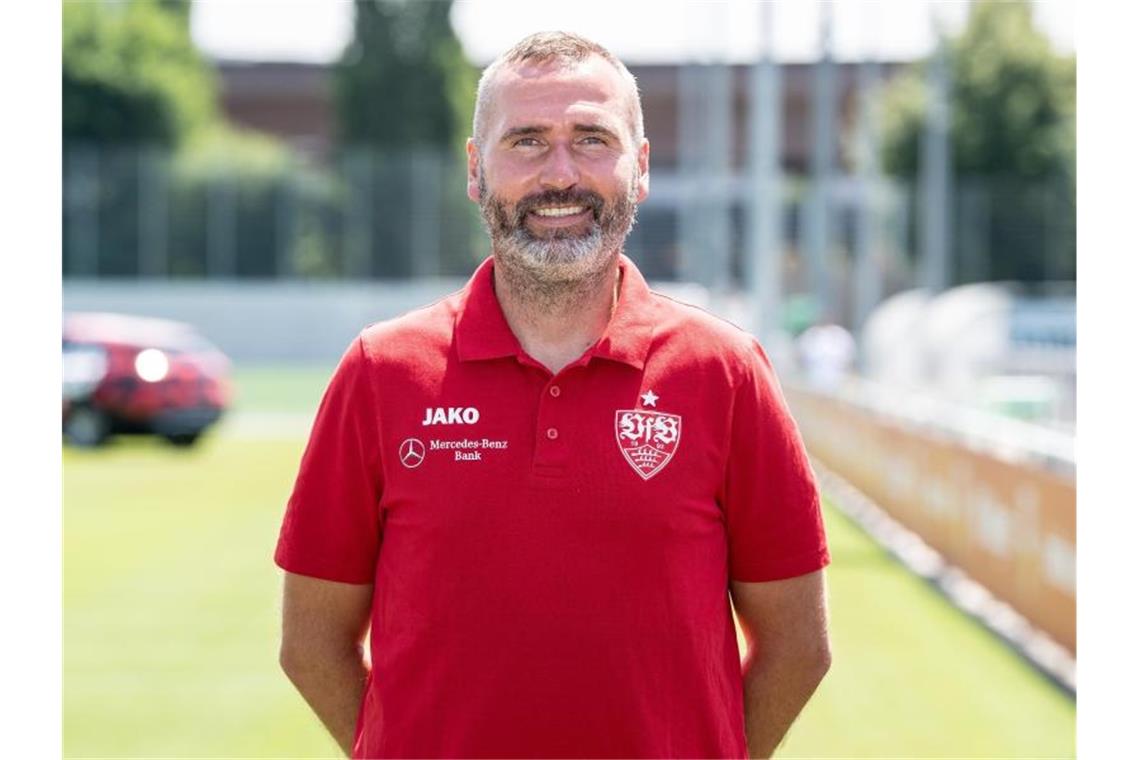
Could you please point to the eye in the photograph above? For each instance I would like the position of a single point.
(593, 140)
(526, 142)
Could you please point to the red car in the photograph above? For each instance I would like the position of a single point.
(124, 374)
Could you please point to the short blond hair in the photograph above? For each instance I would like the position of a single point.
(561, 47)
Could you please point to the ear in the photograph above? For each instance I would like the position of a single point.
(472, 170)
(643, 171)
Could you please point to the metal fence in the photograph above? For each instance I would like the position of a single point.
(135, 212)
(139, 213)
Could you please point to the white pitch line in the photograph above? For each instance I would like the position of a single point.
(266, 425)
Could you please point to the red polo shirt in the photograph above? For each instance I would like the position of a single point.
(551, 554)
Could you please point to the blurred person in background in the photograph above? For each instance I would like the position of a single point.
(498, 496)
(827, 355)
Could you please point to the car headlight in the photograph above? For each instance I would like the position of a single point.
(151, 365)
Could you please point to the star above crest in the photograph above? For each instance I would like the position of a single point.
(649, 398)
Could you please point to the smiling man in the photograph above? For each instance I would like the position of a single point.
(539, 499)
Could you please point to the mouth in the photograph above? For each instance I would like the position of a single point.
(559, 210)
(561, 216)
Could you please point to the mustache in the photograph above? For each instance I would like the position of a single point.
(568, 197)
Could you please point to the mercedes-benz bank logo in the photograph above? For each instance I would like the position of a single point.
(412, 453)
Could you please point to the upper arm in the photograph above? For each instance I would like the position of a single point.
(788, 614)
(333, 522)
(769, 495)
(320, 613)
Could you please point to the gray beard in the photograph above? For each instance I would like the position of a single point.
(559, 272)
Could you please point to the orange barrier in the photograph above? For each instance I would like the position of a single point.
(1009, 524)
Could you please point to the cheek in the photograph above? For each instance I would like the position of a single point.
(619, 175)
(506, 179)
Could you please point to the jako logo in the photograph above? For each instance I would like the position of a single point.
(451, 415)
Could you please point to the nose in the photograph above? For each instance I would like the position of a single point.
(559, 171)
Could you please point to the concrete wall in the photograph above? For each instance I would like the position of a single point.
(263, 322)
(289, 322)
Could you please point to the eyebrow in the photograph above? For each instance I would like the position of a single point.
(524, 131)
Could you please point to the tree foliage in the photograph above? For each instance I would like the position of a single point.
(1012, 133)
(278, 205)
(1013, 101)
(131, 73)
(403, 80)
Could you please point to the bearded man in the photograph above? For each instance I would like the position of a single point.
(539, 500)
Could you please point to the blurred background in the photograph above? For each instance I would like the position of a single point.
(883, 192)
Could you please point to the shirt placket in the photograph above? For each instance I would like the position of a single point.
(551, 435)
(557, 408)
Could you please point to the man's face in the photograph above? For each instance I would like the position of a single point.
(559, 176)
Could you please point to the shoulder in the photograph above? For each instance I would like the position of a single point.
(688, 332)
(414, 336)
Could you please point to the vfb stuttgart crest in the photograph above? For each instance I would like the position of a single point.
(647, 439)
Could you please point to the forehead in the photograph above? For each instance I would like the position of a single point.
(549, 92)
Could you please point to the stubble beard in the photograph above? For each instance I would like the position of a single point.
(557, 269)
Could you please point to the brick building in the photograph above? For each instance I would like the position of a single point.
(294, 102)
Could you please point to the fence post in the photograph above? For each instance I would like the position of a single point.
(220, 228)
(764, 255)
(154, 210)
(716, 178)
(818, 221)
(82, 198)
(688, 162)
(974, 229)
(285, 228)
(425, 216)
(358, 224)
(868, 224)
(935, 163)
(896, 197)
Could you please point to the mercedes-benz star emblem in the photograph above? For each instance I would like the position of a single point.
(412, 453)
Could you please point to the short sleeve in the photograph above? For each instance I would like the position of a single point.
(769, 494)
(332, 525)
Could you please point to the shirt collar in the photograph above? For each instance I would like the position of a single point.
(482, 331)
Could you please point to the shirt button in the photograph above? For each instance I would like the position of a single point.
(555, 391)
(552, 433)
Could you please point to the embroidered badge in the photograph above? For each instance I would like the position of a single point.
(647, 439)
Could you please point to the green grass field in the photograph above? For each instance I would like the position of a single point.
(277, 388)
(171, 604)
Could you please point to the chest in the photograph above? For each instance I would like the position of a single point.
(609, 447)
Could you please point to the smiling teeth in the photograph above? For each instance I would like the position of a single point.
(561, 211)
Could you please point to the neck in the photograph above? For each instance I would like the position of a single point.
(556, 322)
